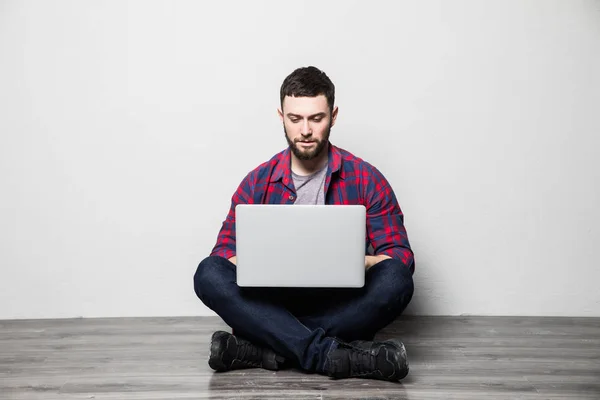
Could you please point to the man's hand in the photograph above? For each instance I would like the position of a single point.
(372, 260)
(233, 260)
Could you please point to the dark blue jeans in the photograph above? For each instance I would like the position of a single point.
(304, 325)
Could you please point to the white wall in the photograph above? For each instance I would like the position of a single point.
(126, 126)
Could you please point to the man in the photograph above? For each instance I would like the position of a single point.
(328, 331)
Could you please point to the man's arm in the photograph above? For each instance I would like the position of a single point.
(385, 223)
(225, 246)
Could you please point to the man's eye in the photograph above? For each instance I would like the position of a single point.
(294, 120)
(317, 119)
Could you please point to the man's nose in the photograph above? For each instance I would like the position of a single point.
(306, 129)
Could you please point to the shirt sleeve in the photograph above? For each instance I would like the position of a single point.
(225, 246)
(385, 221)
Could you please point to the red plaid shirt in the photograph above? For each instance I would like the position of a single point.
(349, 180)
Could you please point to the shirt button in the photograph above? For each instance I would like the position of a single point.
(291, 197)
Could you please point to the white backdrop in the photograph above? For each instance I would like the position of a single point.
(126, 126)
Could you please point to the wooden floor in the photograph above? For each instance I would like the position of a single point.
(166, 358)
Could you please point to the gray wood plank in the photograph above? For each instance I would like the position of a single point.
(166, 358)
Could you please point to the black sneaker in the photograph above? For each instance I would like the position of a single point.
(372, 360)
(228, 352)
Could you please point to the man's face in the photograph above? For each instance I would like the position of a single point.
(307, 122)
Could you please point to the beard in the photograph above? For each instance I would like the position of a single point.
(307, 154)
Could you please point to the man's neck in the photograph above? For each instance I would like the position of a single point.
(308, 167)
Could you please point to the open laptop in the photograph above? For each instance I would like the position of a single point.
(300, 245)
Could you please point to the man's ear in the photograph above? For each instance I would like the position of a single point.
(280, 114)
(334, 114)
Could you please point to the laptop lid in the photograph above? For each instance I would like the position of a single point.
(300, 245)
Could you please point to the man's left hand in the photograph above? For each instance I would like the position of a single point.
(372, 260)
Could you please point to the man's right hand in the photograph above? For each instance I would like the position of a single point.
(233, 260)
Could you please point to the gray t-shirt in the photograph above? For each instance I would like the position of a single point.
(310, 188)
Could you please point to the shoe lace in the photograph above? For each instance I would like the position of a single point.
(249, 353)
(362, 362)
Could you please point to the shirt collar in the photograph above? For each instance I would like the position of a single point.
(283, 171)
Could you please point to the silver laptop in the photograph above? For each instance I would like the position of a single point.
(300, 245)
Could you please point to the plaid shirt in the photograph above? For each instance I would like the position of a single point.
(349, 180)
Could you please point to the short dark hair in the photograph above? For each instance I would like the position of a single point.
(308, 82)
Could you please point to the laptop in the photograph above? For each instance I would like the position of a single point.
(300, 245)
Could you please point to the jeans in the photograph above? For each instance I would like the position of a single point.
(305, 324)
